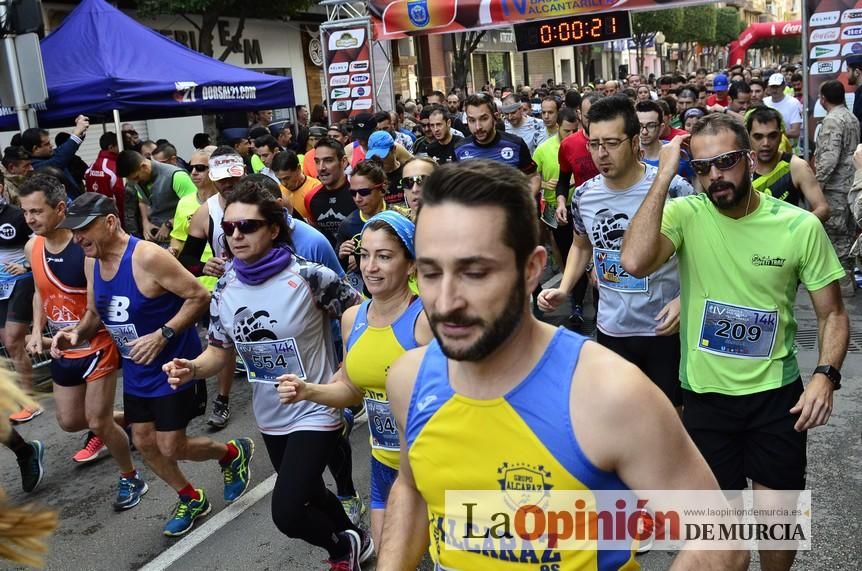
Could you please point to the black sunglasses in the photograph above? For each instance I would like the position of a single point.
(249, 226)
(363, 191)
(409, 181)
(723, 162)
(200, 168)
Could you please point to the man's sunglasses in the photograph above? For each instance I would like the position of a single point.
(722, 162)
(363, 191)
(200, 168)
(409, 181)
(248, 226)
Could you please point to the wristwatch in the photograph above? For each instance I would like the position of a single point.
(831, 373)
(168, 333)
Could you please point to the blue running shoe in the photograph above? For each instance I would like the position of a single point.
(129, 492)
(237, 474)
(32, 468)
(185, 514)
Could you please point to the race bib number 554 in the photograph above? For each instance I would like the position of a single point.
(265, 361)
(737, 331)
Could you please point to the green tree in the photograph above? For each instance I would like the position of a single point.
(645, 25)
(698, 26)
(463, 46)
(788, 46)
(211, 11)
(728, 26)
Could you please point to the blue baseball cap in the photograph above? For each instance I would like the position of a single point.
(379, 144)
(720, 82)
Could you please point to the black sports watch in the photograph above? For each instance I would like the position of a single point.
(833, 374)
(169, 333)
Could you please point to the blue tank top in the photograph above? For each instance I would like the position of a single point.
(68, 265)
(128, 315)
(524, 437)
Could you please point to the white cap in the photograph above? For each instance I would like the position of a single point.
(776, 79)
(226, 166)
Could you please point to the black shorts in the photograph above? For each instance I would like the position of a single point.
(68, 372)
(749, 436)
(19, 306)
(169, 412)
(657, 356)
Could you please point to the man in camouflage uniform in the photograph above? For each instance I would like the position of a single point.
(833, 161)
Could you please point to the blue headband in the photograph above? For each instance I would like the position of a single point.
(402, 225)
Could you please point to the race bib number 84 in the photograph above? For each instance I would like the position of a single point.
(737, 331)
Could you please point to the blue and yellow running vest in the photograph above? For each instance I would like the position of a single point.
(523, 438)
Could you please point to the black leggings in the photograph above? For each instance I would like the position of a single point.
(340, 465)
(18, 445)
(302, 505)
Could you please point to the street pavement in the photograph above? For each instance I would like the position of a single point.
(91, 536)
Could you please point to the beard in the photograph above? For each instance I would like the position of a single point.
(739, 194)
(493, 334)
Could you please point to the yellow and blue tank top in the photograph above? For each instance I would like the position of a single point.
(521, 441)
(370, 353)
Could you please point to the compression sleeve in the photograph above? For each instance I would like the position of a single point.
(190, 257)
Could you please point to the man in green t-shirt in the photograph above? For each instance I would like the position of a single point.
(742, 255)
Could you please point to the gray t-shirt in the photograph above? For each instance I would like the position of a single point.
(532, 130)
(627, 305)
(282, 326)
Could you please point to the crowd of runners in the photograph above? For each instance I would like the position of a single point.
(388, 269)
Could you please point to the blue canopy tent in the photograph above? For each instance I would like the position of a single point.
(100, 60)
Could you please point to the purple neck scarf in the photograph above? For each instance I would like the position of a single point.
(272, 263)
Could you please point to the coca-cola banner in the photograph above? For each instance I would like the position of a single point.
(347, 68)
(834, 33)
(757, 32)
(396, 18)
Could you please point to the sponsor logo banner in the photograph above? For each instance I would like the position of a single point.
(852, 33)
(362, 91)
(339, 80)
(851, 16)
(825, 35)
(346, 39)
(360, 79)
(360, 104)
(824, 19)
(338, 67)
(361, 65)
(340, 93)
(851, 48)
(826, 67)
(826, 50)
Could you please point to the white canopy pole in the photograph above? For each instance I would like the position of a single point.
(119, 133)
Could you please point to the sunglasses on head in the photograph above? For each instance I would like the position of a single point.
(723, 162)
(409, 181)
(248, 226)
(363, 191)
(200, 168)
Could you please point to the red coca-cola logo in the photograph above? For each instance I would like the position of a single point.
(790, 29)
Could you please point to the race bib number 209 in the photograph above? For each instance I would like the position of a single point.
(737, 331)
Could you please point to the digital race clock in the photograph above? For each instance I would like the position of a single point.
(573, 31)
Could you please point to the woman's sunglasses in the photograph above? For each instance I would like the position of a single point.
(200, 168)
(248, 226)
(722, 162)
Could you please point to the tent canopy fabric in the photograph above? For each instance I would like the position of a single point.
(99, 59)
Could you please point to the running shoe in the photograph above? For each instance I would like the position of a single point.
(349, 562)
(237, 474)
(94, 448)
(239, 366)
(32, 468)
(220, 415)
(25, 415)
(129, 493)
(646, 525)
(366, 548)
(576, 319)
(353, 507)
(185, 514)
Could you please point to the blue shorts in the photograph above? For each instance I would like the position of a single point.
(382, 478)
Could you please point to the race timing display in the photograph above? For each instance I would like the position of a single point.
(573, 31)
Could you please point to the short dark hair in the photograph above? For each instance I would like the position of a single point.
(736, 88)
(688, 91)
(61, 138)
(54, 189)
(32, 138)
(266, 141)
(285, 161)
(128, 162)
(167, 150)
(665, 80)
(381, 116)
(488, 183)
(201, 140)
(331, 143)
(258, 132)
(439, 109)
(648, 106)
(552, 99)
(833, 92)
(755, 81)
(573, 99)
(262, 191)
(667, 104)
(763, 115)
(567, 114)
(610, 108)
(714, 123)
(108, 139)
(592, 97)
(224, 150)
(479, 99)
(13, 154)
(437, 93)
(372, 170)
